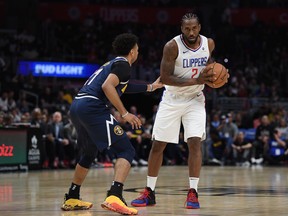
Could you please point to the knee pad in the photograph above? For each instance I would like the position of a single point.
(124, 149)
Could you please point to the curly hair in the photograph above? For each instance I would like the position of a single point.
(123, 43)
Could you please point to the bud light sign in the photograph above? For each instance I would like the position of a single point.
(56, 69)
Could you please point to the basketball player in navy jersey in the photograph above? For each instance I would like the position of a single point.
(184, 72)
(97, 129)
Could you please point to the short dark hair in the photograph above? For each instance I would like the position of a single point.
(189, 16)
(123, 43)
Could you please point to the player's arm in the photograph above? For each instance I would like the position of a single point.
(137, 88)
(170, 53)
(109, 88)
(120, 72)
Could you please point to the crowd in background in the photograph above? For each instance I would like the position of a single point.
(257, 61)
(227, 143)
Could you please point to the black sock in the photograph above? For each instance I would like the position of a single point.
(74, 191)
(116, 189)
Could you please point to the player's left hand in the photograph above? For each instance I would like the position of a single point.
(133, 120)
(206, 75)
(157, 84)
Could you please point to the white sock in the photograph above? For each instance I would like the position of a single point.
(193, 182)
(151, 182)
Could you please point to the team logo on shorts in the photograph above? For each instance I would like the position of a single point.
(118, 130)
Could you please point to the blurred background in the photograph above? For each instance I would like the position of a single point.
(49, 48)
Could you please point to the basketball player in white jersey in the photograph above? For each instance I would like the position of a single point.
(183, 71)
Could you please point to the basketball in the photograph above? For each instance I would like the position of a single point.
(221, 75)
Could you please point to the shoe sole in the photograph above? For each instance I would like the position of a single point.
(192, 207)
(71, 208)
(142, 205)
(117, 208)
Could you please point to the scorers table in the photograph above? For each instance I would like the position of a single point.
(21, 149)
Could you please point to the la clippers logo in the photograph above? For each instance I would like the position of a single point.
(6, 151)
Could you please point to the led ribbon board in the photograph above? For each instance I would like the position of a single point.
(56, 69)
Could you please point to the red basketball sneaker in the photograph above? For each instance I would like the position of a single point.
(192, 199)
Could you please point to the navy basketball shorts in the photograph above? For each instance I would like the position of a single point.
(96, 127)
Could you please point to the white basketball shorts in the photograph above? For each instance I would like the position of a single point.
(174, 109)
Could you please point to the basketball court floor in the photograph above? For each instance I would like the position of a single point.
(236, 191)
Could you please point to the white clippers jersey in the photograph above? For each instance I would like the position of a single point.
(189, 64)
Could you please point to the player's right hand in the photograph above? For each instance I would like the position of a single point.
(133, 120)
(206, 75)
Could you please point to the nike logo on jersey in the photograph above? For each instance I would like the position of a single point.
(185, 51)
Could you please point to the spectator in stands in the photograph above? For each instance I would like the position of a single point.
(15, 112)
(251, 70)
(283, 129)
(61, 104)
(136, 136)
(177, 154)
(238, 119)
(229, 132)
(277, 151)
(45, 117)
(7, 120)
(218, 147)
(274, 116)
(241, 150)
(262, 91)
(70, 148)
(25, 117)
(4, 101)
(133, 110)
(36, 117)
(215, 126)
(146, 137)
(253, 87)
(263, 133)
(67, 96)
(11, 101)
(23, 105)
(55, 142)
(46, 97)
(215, 122)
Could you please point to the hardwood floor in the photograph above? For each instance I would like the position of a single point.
(236, 191)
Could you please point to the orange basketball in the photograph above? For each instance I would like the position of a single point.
(221, 75)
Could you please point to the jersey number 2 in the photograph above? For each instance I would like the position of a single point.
(194, 72)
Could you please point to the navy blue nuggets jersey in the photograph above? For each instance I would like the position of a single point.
(93, 86)
(97, 129)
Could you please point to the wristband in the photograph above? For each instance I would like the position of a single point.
(124, 115)
(151, 87)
